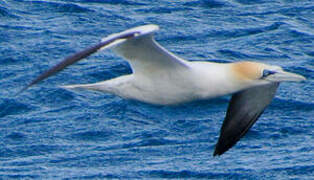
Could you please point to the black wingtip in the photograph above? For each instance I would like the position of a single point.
(35, 81)
(74, 58)
(217, 153)
(20, 91)
(221, 148)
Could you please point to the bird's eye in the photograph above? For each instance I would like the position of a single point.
(267, 73)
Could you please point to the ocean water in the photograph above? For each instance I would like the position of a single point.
(51, 133)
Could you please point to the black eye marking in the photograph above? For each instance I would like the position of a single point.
(267, 73)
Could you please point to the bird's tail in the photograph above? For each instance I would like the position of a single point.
(93, 86)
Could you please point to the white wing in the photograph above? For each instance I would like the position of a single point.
(136, 44)
(145, 55)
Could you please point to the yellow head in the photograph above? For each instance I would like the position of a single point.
(259, 73)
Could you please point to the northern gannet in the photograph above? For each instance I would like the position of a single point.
(160, 77)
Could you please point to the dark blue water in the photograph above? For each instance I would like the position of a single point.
(48, 132)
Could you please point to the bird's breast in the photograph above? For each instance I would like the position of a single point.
(213, 80)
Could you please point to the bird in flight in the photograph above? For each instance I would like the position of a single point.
(160, 77)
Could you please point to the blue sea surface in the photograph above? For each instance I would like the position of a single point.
(52, 133)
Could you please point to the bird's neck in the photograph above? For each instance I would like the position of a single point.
(217, 79)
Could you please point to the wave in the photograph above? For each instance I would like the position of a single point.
(60, 7)
(12, 107)
(207, 3)
(162, 10)
(113, 2)
(6, 13)
(249, 2)
(247, 31)
(28, 150)
(190, 174)
(295, 170)
(19, 176)
(16, 136)
(92, 135)
(288, 105)
(227, 34)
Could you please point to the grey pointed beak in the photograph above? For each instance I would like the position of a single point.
(282, 76)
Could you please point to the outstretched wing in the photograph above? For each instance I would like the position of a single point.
(243, 111)
(146, 56)
(136, 44)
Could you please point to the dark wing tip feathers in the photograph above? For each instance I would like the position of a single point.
(244, 109)
(229, 137)
(76, 57)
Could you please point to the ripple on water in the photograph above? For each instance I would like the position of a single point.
(13, 107)
(190, 174)
(92, 136)
(6, 13)
(59, 7)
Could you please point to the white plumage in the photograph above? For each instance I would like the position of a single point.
(160, 77)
